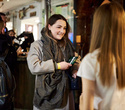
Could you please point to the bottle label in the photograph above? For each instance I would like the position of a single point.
(72, 60)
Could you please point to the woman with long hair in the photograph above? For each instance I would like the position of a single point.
(48, 60)
(103, 68)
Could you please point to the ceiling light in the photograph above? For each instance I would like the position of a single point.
(8, 0)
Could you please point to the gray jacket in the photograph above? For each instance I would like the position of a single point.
(35, 60)
(52, 85)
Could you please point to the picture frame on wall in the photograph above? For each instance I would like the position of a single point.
(22, 13)
(29, 28)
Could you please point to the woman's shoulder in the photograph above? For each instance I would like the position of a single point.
(92, 56)
(88, 65)
(90, 59)
(37, 43)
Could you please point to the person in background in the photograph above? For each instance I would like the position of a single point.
(4, 18)
(1, 25)
(15, 42)
(2, 36)
(5, 30)
(28, 38)
(103, 68)
(48, 60)
(12, 33)
(4, 45)
(11, 57)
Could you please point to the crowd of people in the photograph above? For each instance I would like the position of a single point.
(9, 42)
(102, 70)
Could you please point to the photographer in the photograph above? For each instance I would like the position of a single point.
(25, 39)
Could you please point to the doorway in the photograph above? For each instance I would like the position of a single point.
(31, 25)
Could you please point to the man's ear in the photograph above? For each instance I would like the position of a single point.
(49, 26)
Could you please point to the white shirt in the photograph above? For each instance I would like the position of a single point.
(108, 98)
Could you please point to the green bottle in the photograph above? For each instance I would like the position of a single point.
(72, 60)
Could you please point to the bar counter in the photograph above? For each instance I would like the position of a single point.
(25, 82)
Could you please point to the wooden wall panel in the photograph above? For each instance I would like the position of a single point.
(85, 11)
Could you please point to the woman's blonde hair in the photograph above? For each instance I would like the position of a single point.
(108, 34)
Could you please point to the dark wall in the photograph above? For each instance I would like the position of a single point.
(85, 10)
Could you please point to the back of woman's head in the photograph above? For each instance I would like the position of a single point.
(52, 20)
(108, 25)
(108, 34)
